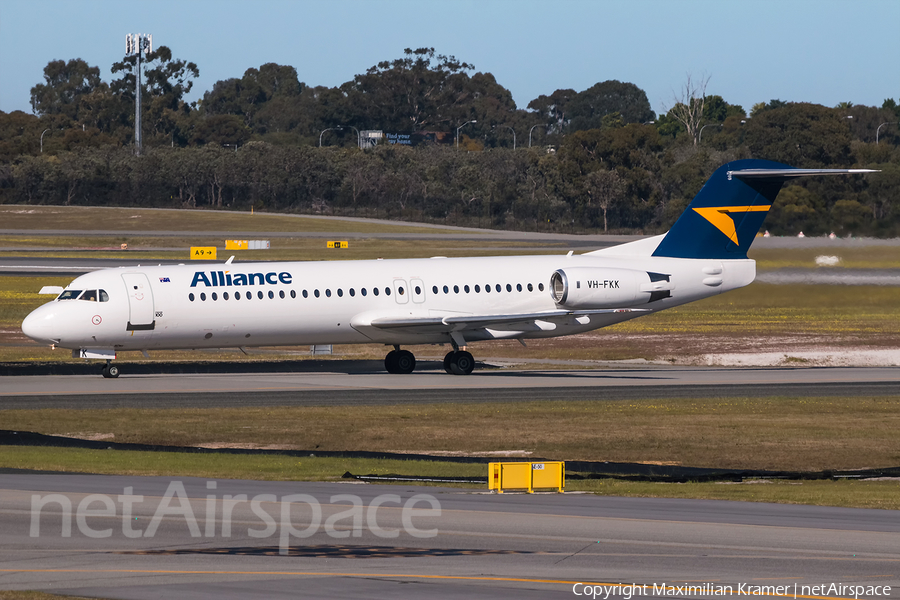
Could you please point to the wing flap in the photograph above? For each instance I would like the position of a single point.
(463, 322)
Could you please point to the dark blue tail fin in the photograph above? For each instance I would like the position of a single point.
(724, 217)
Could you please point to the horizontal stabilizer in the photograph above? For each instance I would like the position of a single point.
(789, 173)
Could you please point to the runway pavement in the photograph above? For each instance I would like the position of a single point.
(152, 537)
(361, 386)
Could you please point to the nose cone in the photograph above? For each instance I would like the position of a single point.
(39, 325)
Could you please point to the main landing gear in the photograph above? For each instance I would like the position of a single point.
(459, 362)
(110, 371)
(399, 362)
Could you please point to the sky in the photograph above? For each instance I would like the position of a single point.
(821, 51)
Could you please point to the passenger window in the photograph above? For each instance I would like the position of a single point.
(363, 291)
(271, 295)
(281, 293)
(293, 293)
(191, 297)
(455, 289)
(498, 288)
(259, 294)
(541, 287)
(400, 290)
(518, 287)
(418, 290)
(446, 290)
(224, 295)
(203, 296)
(305, 294)
(328, 293)
(340, 293)
(530, 288)
(104, 297)
(249, 296)
(352, 292)
(466, 289)
(387, 291)
(215, 296)
(237, 295)
(69, 295)
(508, 288)
(477, 288)
(375, 291)
(316, 293)
(487, 289)
(434, 289)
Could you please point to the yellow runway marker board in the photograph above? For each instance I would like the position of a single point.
(203, 253)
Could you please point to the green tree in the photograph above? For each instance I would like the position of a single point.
(65, 83)
(602, 100)
(604, 189)
(801, 135)
(554, 109)
(165, 82)
(419, 91)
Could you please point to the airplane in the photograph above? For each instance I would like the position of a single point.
(436, 300)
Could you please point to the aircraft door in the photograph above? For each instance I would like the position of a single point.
(401, 291)
(417, 290)
(140, 302)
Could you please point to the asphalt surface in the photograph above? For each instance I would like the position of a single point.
(478, 546)
(361, 387)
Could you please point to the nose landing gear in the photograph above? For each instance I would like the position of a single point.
(110, 371)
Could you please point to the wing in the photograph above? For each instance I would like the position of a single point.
(459, 323)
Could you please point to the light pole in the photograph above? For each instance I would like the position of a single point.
(511, 129)
(42, 140)
(700, 137)
(460, 127)
(138, 44)
(323, 133)
(358, 140)
(882, 125)
(532, 129)
(339, 128)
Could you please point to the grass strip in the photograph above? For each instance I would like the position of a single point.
(88, 218)
(858, 494)
(773, 434)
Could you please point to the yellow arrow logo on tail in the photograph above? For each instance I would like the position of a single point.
(722, 219)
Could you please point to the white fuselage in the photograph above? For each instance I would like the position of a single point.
(215, 305)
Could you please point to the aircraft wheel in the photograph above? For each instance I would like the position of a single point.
(110, 371)
(390, 362)
(405, 362)
(462, 364)
(448, 360)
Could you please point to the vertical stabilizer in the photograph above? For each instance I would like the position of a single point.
(726, 214)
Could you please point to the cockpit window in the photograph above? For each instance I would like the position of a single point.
(69, 295)
(89, 296)
(104, 297)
